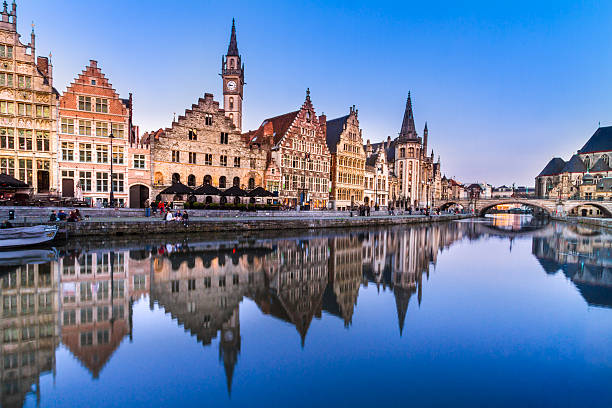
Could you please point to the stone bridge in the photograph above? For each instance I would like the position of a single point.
(550, 206)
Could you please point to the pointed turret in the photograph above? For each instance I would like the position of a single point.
(232, 49)
(425, 136)
(408, 129)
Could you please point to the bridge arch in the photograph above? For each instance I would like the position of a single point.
(528, 203)
(607, 213)
(449, 204)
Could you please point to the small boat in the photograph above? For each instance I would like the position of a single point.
(19, 257)
(25, 236)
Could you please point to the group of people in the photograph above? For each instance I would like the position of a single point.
(61, 215)
(177, 216)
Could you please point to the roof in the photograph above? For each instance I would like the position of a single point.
(601, 141)
(334, 130)
(371, 161)
(604, 184)
(276, 127)
(554, 166)
(574, 165)
(232, 49)
(408, 130)
(234, 191)
(207, 189)
(600, 165)
(260, 192)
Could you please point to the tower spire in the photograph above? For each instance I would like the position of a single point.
(408, 129)
(232, 49)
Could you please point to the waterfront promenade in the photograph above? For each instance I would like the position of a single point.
(133, 222)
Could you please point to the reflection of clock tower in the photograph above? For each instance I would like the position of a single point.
(229, 346)
(232, 71)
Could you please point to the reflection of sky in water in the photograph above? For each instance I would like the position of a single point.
(481, 325)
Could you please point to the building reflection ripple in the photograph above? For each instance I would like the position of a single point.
(84, 298)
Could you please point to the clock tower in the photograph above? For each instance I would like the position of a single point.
(232, 72)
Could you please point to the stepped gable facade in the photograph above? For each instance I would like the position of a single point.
(296, 145)
(28, 114)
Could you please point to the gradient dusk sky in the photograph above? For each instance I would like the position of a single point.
(503, 85)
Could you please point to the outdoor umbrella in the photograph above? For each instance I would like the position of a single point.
(207, 189)
(177, 188)
(7, 181)
(235, 191)
(260, 192)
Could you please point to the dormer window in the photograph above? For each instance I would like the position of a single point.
(93, 81)
(308, 116)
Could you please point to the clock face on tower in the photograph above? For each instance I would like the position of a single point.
(231, 85)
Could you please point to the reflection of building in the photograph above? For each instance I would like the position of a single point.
(203, 289)
(345, 275)
(96, 304)
(297, 273)
(584, 256)
(27, 109)
(30, 330)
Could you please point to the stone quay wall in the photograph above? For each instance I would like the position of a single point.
(597, 222)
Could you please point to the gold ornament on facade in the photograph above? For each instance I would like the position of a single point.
(41, 97)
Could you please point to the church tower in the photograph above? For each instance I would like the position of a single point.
(232, 72)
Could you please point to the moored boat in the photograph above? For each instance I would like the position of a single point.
(25, 236)
(19, 257)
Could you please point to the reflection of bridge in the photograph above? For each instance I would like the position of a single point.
(550, 206)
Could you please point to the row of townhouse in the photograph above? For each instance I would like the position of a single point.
(83, 143)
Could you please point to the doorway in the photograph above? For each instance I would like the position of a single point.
(43, 181)
(67, 187)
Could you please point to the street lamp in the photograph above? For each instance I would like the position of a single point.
(112, 196)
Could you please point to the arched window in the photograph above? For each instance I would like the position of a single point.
(223, 200)
(208, 199)
(251, 183)
(207, 179)
(222, 182)
(231, 103)
(191, 180)
(176, 178)
(411, 152)
(402, 153)
(236, 200)
(158, 179)
(587, 162)
(231, 116)
(236, 182)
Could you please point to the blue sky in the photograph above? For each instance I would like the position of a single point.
(503, 85)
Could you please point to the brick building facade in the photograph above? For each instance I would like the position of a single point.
(344, 141)
(28, 148)
(297, 147)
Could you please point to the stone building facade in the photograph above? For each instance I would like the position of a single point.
(345, 143)
(92, 116)
(296, 145)
(560, 179)
(28, 111)
(204, 147)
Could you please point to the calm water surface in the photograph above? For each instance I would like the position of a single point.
(502, 312)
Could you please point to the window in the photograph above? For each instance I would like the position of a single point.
(85, 180)
(222, 182)
(25, 139)
(101, 182)
(101, 154)
(207, 282)
(224, 138)
(236, 161)
(253, 163)
(223, 160)
(191, 284)
(176, 157)
(93, 81)
(84, 128)
(191, 180)
(192, 134)
(67, 151)
(103, 337)
(7, 107)
(102, 105)
(139, 161)
(222, 281)
(25, 170)
(24, 81)
(6, 51)
(117, 130)
(208, 159)
(140, 282)
(85, 103)
(86, 338)
(175, 286)
(85, 152)
(235, 279)
(67, 126)
(192, 158)
(43, 111)
(101, 129)
(6, 79)
(208, 119)
(231, 102)
(7, 166)
(43, 141)
(251, 183)
(236, 182)
(7, 139)
(117, 154)
(24, 109)
(118, 182)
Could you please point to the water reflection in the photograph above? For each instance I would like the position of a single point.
(84, 299)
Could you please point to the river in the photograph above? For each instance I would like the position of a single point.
(506, 311)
